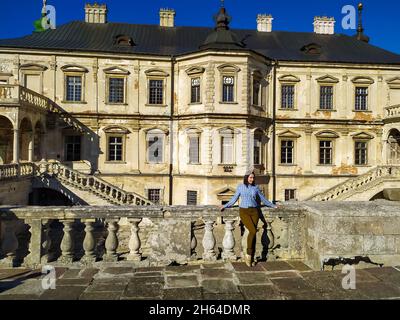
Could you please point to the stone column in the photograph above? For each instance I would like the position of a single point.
(89, 242)
(229, 241)
(111, 241)
(9, 244)
(209, 241)
(31, 146)
(16, 146)
(134, 241)
(193, 241)
(67, 243)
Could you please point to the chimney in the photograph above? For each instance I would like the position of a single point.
(324, 25)
(167, 17)
(264, 23)
(95, 13)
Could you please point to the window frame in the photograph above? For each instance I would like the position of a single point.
(108, 79)
(258, 134)
(294, 96)
(198, 136)
(187, 197)
(366, 152)
(367, 95)
(294, 195)
(228, 70)
(65, 147)
(327, 85)
(331, 148)
(116, 135)
(293, 151)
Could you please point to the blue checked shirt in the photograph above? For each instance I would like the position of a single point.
(248, 197)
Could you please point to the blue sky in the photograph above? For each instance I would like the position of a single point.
(380, 17)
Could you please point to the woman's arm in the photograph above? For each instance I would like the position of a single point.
(264, 200)
(234, 198)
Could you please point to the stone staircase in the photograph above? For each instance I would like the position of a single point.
(100, 192)
(352, 186)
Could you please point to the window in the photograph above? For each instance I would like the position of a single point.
(72, 148)
(154, 195)
(287, 147)
(194, 149)
(256, 92)
(257, 149)
(228, 87)
(115, 146)
(361, 150)
(288, 96)
(74, 88)
(326, 97)
(325, 152)
(156, 91)
(191, 198)
(227, 149)
(155, 147)
(116, 90)
(361, 98)
(290, 194)
(195, 90)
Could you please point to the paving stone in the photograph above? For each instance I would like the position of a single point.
(182, 294)
(74, 282)
(149, 269)
(266, 292)
(219, 286)
(142, 281)
(30, 286)
(253, 278)
(276, 266)
(12, 273)
(389, 275)
(309, 295)
(291, 284)
(63, 293)
(283, 274)
(108, 287)
(216, 273)
(182, 281)
(182, 269)
(378, 290)
(148, 274)
(118, 270)
(242, 267)
(223, 296)
(213, 265)
(146, 291)
(299, 266)
(19, 297)
(108, 281)
(88, 273)
(60, 271)
(101, 296)
(71, 273)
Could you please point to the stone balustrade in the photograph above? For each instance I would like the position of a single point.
(175, 238)
(12, 171)
(393, 111)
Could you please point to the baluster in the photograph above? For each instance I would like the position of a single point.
(111, 241)
(89, 242)
(134, 241)
(67, 243)
(193, 242)
(209, 241)
(229, 241)
(35, 244)
(46, 241)
(270, 234)
(9, 244)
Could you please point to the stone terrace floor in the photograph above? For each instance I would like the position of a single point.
(218, 281)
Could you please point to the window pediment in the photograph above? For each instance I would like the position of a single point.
(156, 73)
(225, 192)
(33, 67)
(363, 80)
(116, 129)
(156, 131)
(228, 68)
(394, 83)
(195, 70)
(116, 70)
(228, 131)
(289, 78)
(74, 68)
(193, 131)
(362, 136)
(327, 134)
(289, 134)
(327, 79)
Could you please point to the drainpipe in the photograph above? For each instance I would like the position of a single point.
(171, 127)
(274, 135)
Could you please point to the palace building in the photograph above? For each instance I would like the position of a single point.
(178, 114)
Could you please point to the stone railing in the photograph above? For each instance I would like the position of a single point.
(342, 190)
(16, 94)
(90, 183)
(12, 171)
(178, 234)
(393, 111)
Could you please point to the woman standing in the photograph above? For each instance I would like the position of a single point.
(248, 192)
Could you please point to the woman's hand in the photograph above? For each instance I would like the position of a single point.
(221, 208)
